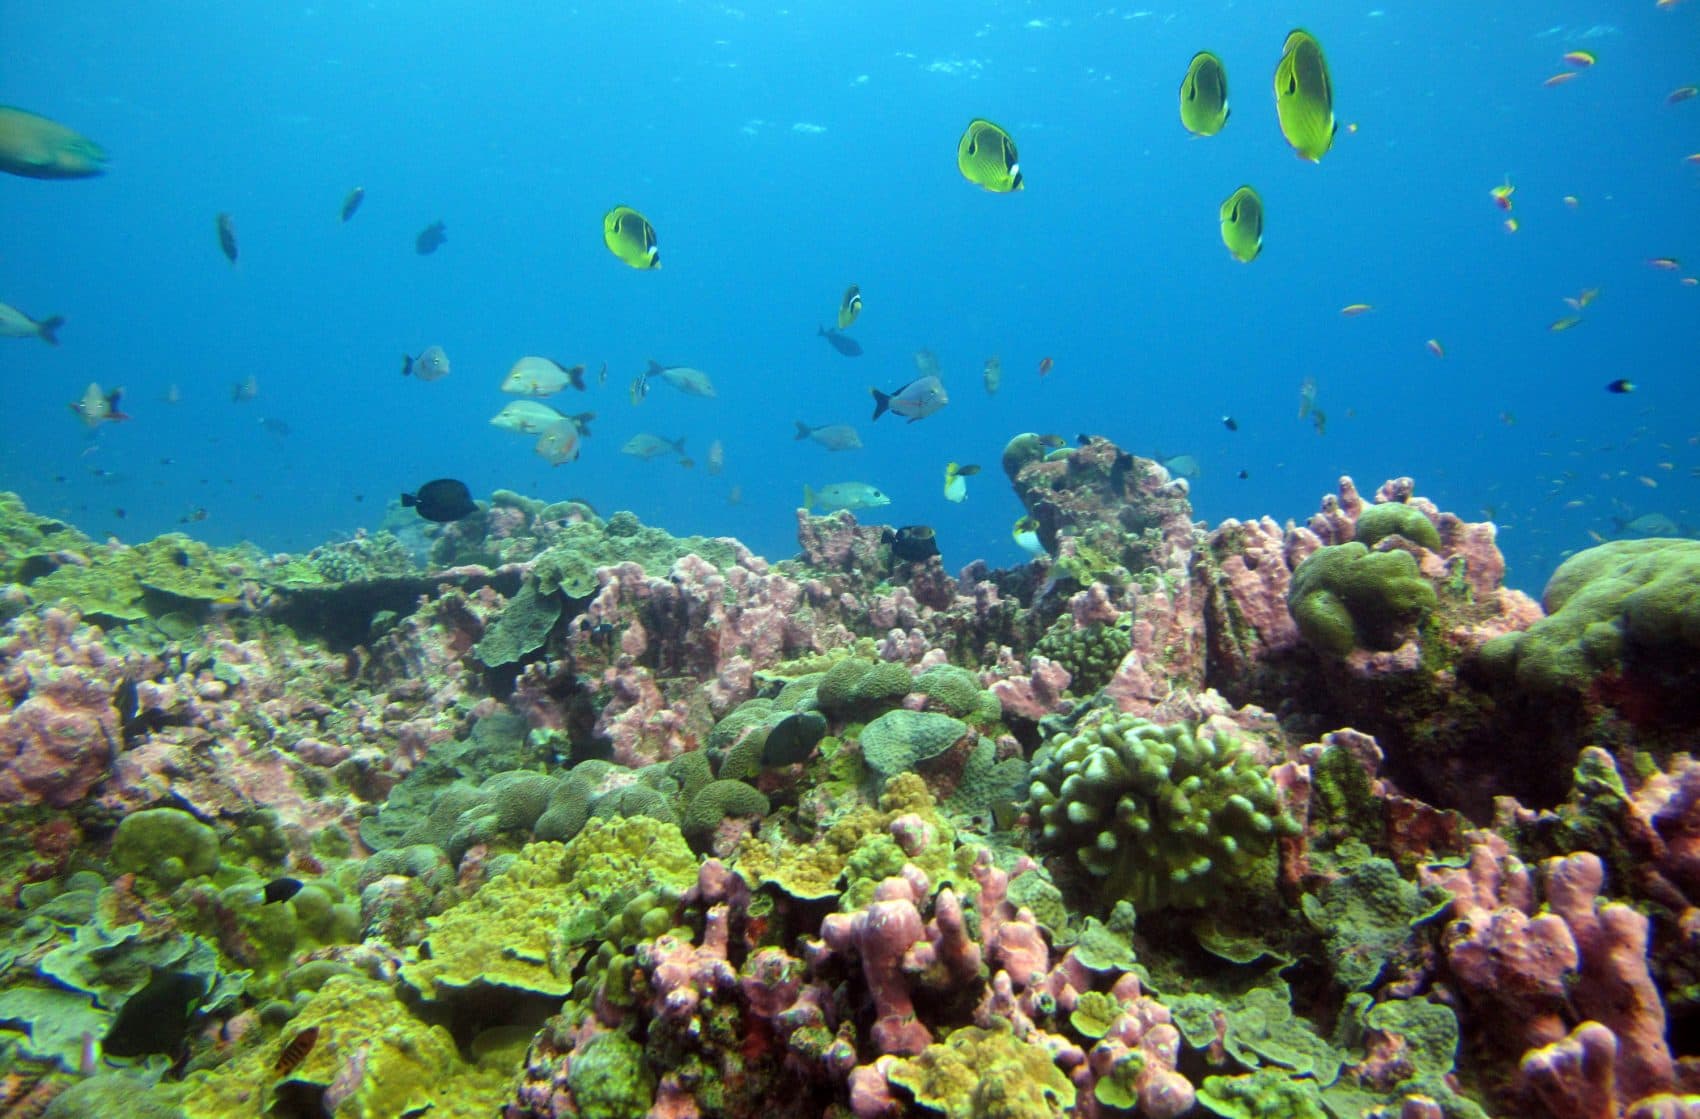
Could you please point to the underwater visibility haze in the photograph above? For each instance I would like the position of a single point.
(456, 341)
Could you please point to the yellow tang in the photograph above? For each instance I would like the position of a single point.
(1304, 97)
(986, 157)
(1204, 95)
(630, 237)
(1242, 224)
(849, 307)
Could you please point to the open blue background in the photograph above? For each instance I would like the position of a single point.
(784, 153)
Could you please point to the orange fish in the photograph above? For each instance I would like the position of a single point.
(1352, 310)
(1580, 59)
(1045, 364)
(1665, 263)
(1435, 348)
(1560, 78)
(1565, 323)
(1681, 93)
(1502, 194)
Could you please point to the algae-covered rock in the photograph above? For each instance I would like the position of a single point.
(410, 1068)
(1346, 597)
(170, 573)
(609, 1079)
(569, 565)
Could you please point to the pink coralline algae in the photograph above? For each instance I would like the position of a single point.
(59, 729)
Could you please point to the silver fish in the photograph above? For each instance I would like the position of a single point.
(432, 364)
(834, 437)
(917, 400)
(691, 382)
(15, 324)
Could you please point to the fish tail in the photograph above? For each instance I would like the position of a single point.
(655, 367)
(406, 365)
(820, 331)
(408, 501)
(678, 444)
(808, 496)
(48, 329)
(576, 376)
(882, 402)
(803, 430)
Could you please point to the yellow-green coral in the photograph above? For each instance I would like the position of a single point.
(528, 927)
(1347, 597)
(409, 1066)
(986, 1074)
(166, 574)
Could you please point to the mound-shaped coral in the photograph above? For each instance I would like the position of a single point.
(1347, 597)
(1165, 815)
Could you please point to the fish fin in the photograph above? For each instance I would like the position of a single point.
(882, 402)
(808, 497)
(576, 376)
(408, 501)
(655, 367)
(48, 329)
(803, 430)
(406, 365)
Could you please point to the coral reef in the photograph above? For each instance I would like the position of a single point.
(544, 815)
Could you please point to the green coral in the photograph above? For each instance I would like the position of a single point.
(1091, 654)
(1393, 518)
(1367, 915)
(521, 628)
(900, 740)
(609, 1079)
(956, 691)
(1165, 815)
(985, 1074)
(165, 575)
(165, 844)
(1628, 603)
(854, 686)
(1264, 1094)
(720, 799)
(1345, 597)
(1258, 1027)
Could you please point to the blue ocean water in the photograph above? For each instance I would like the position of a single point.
(785, 152)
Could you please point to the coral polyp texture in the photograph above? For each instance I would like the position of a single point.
(539, 814)
(1163, 815)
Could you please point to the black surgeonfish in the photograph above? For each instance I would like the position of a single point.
(444, 500)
